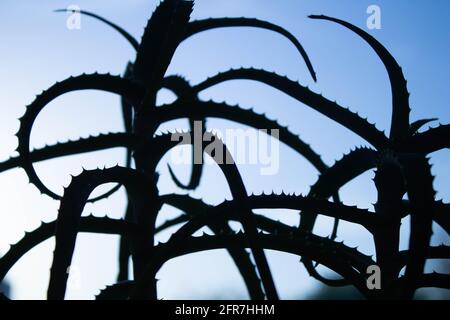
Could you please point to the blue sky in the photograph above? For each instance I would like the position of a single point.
(38, 50)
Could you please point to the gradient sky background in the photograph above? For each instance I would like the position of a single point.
(37, 50)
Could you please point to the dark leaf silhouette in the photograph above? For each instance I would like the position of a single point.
(400, 160)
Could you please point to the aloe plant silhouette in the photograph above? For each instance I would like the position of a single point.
(400, 159)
